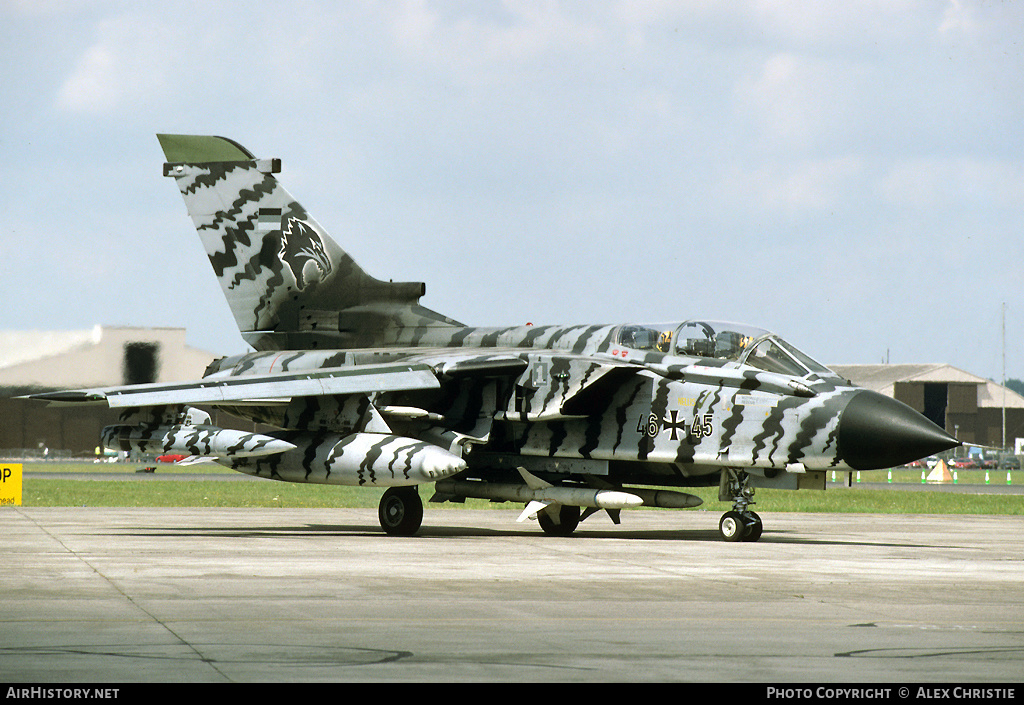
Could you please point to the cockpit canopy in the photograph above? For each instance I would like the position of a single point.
(724, 341)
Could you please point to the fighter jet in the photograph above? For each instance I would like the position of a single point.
(356, 383)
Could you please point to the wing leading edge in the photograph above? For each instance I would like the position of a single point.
(278, 386)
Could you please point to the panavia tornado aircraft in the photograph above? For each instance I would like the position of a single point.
(364, 386)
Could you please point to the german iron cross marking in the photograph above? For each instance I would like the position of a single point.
(674, 424)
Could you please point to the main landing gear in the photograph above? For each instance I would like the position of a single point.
(559, 519)
(740, 524)
(400, 511)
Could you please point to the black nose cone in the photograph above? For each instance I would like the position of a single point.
(876, 431)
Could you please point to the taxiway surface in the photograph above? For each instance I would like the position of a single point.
(217, 595)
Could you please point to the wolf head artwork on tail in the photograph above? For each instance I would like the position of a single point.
(288, 283)
(302, 245)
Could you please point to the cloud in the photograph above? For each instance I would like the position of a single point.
(809, 185)
(932, 182)
(840, 27)
(485, 43)
(124, 67)
(798, 101)
(94, 86)
(958, 19)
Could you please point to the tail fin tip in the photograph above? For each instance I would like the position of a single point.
(199, 149)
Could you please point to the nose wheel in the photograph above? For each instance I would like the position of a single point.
(740, 524)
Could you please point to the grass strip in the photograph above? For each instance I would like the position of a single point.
(151, 492)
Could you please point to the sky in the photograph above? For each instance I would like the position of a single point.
(849, 175)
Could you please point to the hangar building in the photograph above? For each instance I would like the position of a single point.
(968, 406)
(37, 361)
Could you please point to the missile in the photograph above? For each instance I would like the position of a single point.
(574, 496)
(203, 441)
(537, 494)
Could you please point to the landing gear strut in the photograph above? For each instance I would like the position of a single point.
(400, 511)
(740, 524)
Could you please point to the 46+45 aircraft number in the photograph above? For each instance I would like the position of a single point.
(699, 428)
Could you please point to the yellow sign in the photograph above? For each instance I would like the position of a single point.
(10, 484)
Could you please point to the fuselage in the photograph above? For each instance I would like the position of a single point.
(671, 401)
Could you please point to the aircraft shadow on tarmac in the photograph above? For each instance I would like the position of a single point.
(428, 532)
(473, 532)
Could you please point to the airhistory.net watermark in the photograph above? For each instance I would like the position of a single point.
(42, 693)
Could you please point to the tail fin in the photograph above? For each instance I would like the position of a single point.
(289, 285)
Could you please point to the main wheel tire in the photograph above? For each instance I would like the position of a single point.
(400, 511)
(732, 526)
(564, 524)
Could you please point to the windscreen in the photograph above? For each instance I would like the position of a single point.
(744, 344)
(733, 342)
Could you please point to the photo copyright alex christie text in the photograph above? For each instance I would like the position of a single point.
(862, 693)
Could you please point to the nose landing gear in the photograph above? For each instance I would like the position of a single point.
(740, 524)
